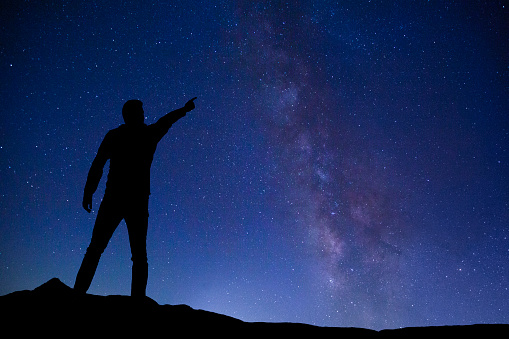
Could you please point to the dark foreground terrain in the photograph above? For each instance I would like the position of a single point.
(54, 309)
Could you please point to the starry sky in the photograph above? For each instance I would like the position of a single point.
(346, 163)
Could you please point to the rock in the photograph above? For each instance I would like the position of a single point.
(57, 310)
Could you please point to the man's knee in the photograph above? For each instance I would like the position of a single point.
(139, 259)
(94, 252)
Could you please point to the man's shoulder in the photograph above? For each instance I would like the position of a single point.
(118, 130)
(124, 131)
(114, 134)
(114, 130)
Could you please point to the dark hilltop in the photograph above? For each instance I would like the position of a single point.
(55, 309)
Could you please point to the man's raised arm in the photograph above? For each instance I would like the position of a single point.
(169, 119)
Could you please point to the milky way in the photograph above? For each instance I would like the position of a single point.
(342, 193)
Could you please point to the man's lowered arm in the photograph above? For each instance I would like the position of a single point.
(94, 175)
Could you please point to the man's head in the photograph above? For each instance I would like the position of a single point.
(132, 112)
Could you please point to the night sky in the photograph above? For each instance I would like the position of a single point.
(347, 162)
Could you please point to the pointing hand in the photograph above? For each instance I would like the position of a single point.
(189, 106)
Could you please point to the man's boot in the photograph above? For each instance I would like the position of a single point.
(139, 279)
(86, 272)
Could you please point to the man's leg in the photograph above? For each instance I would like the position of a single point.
(108, 218)
(137, 224)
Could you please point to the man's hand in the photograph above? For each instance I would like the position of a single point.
(189, 106)
(87, 203)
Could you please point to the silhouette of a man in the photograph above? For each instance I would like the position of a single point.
(130, 149)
